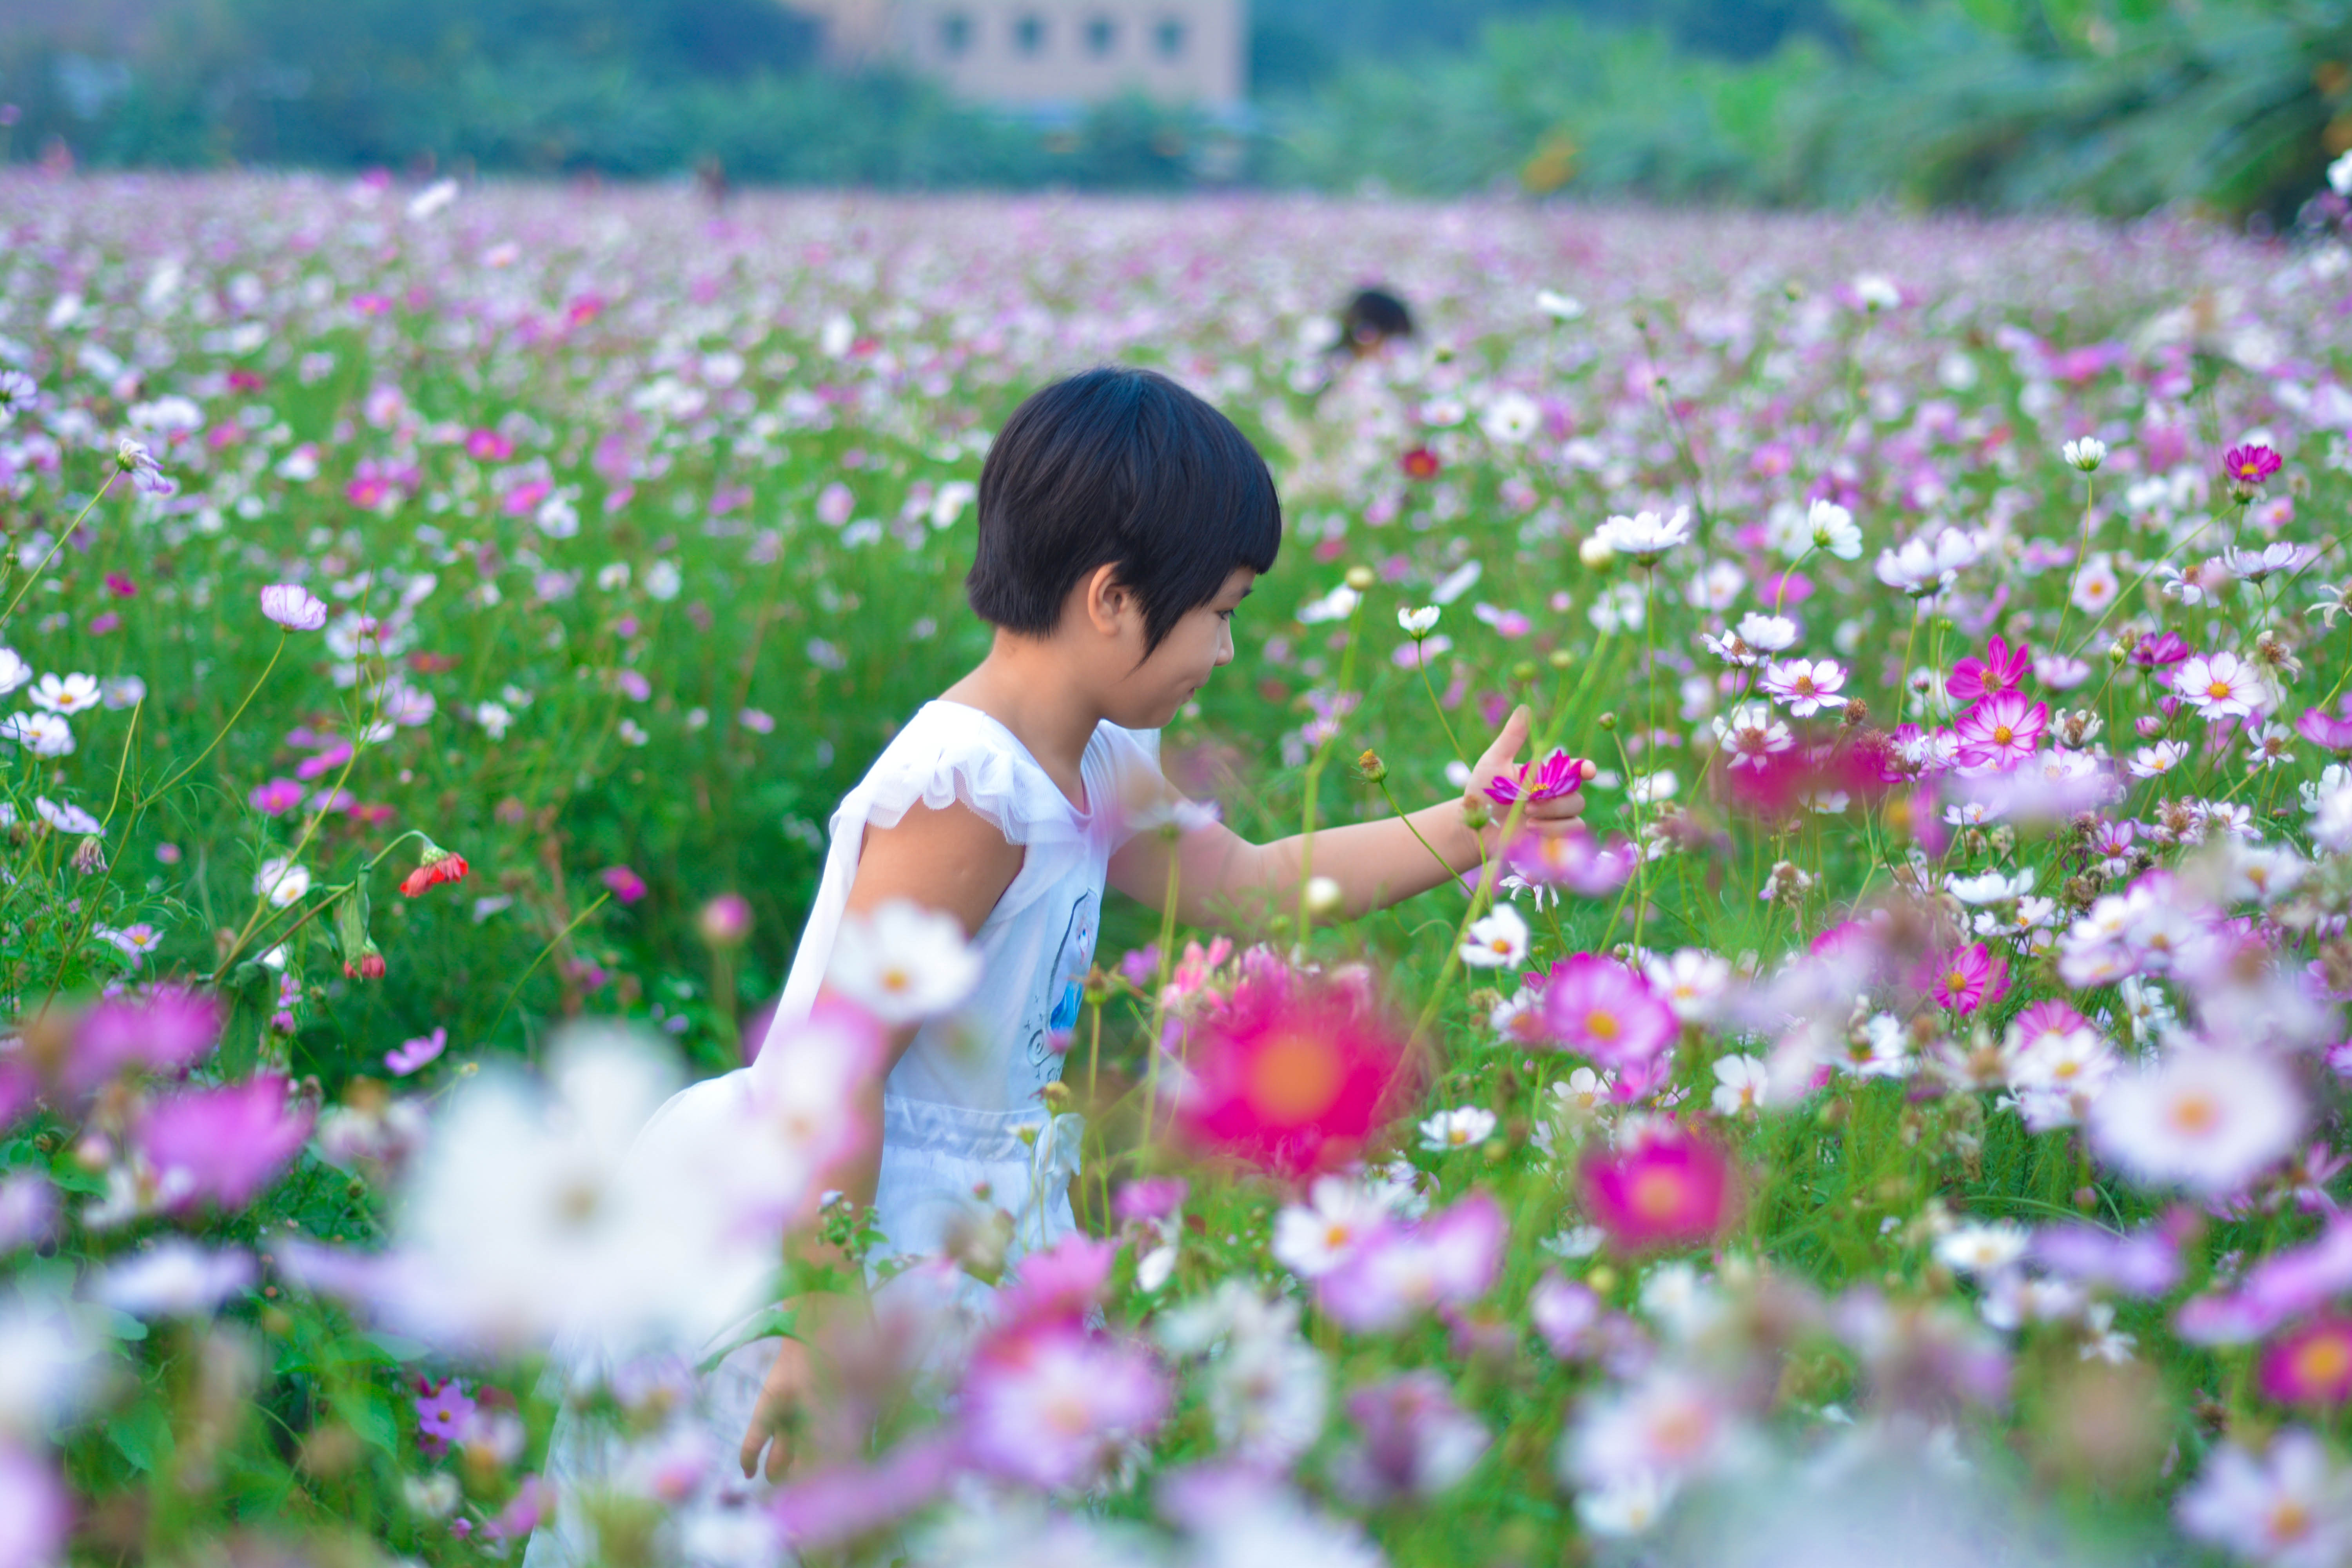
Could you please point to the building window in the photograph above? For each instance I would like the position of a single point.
(1168, 37)
(955, 35)
(1102, 37)
(1029, 35)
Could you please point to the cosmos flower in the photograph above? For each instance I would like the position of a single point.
(1556, 777)
(2289, 1507)
(1574, 859)
(2222, 686)
(433, 866)
(1399, 1271)
(1599, 1008)
(1414, 1440)
(175, 1278)
(293, 606)
(1752, 735)
(1289, 1074)
(1463, 1128)
(2000, 731)
(1807, 686)
(2249, 465)
(2310, 1364)
(1967, 978)
(1052, 1408)
(2086, 453)
(2197, 1118)
(903, 962)
(66, 694)
(1312, 1239)
(1496, 940)
(221, 1145)
(414, 1055)
(1645, 536)
(2003, 668)
(1663, 1186)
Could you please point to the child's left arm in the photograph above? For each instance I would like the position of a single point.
(1223, 879)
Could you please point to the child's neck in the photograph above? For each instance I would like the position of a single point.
(1027, 684)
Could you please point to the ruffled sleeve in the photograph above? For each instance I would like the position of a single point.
(948, 754)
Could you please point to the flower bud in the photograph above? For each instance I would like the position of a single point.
(1595, 553)
(1324, 896)
(1476, 813)
(1560, 658)
(1361, 578)
(1607, 720)
(1371, 767)
(725, 921)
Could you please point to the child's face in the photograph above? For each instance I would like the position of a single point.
(1202, 640)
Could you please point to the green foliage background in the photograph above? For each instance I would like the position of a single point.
(2116, 106)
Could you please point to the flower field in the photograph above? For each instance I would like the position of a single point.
(439, 622)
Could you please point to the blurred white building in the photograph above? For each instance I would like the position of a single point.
(1045, 54)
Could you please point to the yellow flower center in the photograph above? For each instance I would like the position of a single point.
(1601, 1024)
(2322, 1361)
(2194, 1114)
(2219, 690)
(2002, 734)
(1294, 1078)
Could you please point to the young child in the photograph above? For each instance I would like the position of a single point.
(1122, 522)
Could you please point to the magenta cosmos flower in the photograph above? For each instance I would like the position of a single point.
(2003, 668)
(2000, 731)
(2310, 1366)
(224, 1145)
(2249, 465)
(1666, 1187)
(1967, 978)
(1574, 859)
(445, 1415)
(625, 885)
(1599, 1008)
(167, 1030)
(2328, 731)
(1557, 775)
(1290, 1075)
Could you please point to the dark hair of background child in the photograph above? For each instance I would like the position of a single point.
(1374, 316)
(1118, 467)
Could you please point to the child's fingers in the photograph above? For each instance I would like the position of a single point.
(1506, 745)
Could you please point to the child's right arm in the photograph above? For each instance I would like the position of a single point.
(949, 859)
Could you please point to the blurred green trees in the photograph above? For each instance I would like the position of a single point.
(2117, 106)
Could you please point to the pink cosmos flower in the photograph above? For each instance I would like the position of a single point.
(2290, 1506)
(414, 1055)
(1057, 1287)
(34, 1509)
(2251, 465)
(1290, 1075)
(2310, 1366)
(2003, 668)
(1557, 775)
(1575, 860)
(1054, 1407)
(223, 1144)
(445, 1415)
(532, 1504)
(293, 606)
(165, 1031)
(626, 886)
(817, 1508)
(1806, 685)
(1416, 1441)
(2326, 731)
(2160, 651)
(1150, 1197)
(2000, 731)
(1599, 1008)
(2222, 686)
(1399, 1271)
(1967, 978)
(277, 797)
(488, 447)
(1666, 1187)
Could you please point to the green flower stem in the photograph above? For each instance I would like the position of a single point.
(532, 967)
(63, 536)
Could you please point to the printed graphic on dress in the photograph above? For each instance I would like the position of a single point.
(1064, 980)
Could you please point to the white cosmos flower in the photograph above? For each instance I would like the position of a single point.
(14, 671)
(2289, 1508)
(43, 735)
(1692, 982)
(1510, 418)
(2218, 686)
(67, 818)
(175, 1278)
(63, 694)
(1875, 291)
(903, 962)
(281, 880)
(1419, 622)
(1672, 1424)
(1630, 1505)
(2087, 453)
(1830, 527)
(1806, 685)
(1312, 1239)
(52, 1357)
(1497, 941)
(1460, 1128)
(1741, 1082)
(1983, 1248)
(1990, 886)
(2197, 1118)
(1768, 634)
(1922, 565)
(1645, 536)
(293, 606)
(1559, 307)
(1336, 605)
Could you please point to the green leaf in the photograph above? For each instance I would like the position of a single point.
(397, 1348)
(373, 1422)
(142, 1435)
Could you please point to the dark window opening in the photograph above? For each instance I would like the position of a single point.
(1029, 35)
(1102, 35)
(955, 34)
(1168, 37)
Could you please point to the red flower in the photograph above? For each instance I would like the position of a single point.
(1420, 463)
(1289, 1074)
(369, 965)
(1667, 1187)
(436, 865)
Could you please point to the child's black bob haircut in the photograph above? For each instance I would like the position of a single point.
(1118, 467)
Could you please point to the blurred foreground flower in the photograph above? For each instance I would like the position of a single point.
(1291, 1073)
(1664, 1186)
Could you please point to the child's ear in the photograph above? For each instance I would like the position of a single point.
(1108, 600)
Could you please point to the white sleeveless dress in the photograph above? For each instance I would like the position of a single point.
(956, 1107)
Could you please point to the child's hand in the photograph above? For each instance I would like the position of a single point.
(1546, 810)
(778, 1411)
